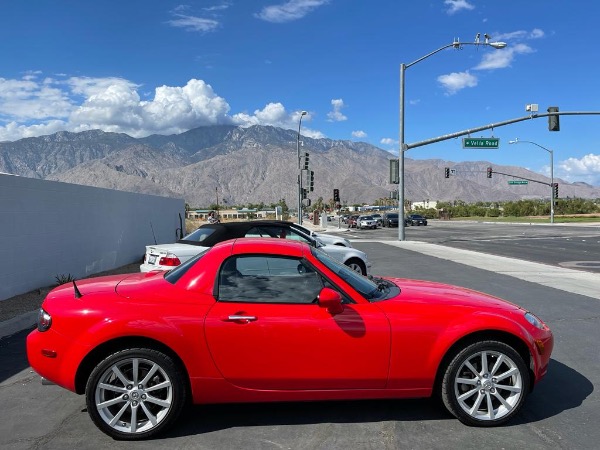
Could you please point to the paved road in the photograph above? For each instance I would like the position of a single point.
(574, 246)
(562, 413)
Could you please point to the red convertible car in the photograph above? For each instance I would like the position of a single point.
(264, 320)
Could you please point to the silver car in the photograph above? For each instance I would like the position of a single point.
(167, 256)
(366, 222)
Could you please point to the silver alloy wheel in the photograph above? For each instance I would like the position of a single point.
(355, 266)
(488, 385)
(133, 395)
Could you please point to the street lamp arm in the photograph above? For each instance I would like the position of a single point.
(552, 186)
(457, 45)
(518, 141)
(429, 54)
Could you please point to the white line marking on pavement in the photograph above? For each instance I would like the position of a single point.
(569, 280)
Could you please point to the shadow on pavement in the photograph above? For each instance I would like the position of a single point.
(561, 390)
(13, 355)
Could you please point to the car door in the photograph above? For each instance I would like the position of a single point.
(266, 332)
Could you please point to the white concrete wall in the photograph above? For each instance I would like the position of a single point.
(48, 229)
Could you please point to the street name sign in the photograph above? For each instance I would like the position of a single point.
(518, 182)
(481, 142)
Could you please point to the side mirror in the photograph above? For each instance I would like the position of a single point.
(331, 300)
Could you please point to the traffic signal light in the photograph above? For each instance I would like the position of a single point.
(304, 193)
(336, 195)
(555, 190)
(489, 172)
(311, 180)
(553, 123)
(394, 171)
(306, 160)
(446, 172)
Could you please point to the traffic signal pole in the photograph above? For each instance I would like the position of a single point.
(497, 125)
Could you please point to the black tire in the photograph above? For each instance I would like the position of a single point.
(483, 399)
(357, 265)
(143, 402)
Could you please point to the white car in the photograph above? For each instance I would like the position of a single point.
(366, 222)
(167, 256)
(325, 238)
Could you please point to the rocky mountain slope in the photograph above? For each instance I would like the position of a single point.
(256, 164)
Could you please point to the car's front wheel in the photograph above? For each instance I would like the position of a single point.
(485, 384)
(135, 393)
(357, 265)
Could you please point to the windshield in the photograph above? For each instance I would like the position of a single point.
(370, 288)
(198, 236)
(302, 229)
(392, 216)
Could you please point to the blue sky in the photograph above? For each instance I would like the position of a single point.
(143, 67)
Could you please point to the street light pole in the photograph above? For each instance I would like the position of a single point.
(517, 141)
(303, 113)
(402, 146)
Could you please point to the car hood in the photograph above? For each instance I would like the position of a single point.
(419, 291)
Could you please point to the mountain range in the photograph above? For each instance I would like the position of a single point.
(237, 166)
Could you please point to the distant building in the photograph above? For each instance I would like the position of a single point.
(243, 213)
(425, 205)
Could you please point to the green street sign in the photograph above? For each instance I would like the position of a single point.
(518, 182)
(481, 142)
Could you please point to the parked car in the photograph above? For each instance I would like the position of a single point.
(378, 217)
(390, 220)
(366, 222)
(167, 256)
(415, 219)
(264, 320)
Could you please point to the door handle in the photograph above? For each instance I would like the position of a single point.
(240, 318)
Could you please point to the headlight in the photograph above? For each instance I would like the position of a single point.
(533, 320)
(44, 320)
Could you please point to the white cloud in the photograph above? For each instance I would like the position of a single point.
(182, 18)
(520, 35)
(192, 23)
(388, 141)
(289, 11)
(455, 6)
(29, 99)
(456, 81)
(585, 169)
(499, 59)
(34, 107)
(359, 134)
(336, 115)
(275, 114)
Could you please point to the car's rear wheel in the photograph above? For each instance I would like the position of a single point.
(485, 384)
(357, 265)
(135, 394)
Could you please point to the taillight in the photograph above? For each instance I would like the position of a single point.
(44, 320)
(170, 260)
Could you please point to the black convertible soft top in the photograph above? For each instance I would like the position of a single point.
(212, 233)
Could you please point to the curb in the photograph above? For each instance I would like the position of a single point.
(17, 324)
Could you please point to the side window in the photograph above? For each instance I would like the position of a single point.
(268, 279)
(276, 232)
